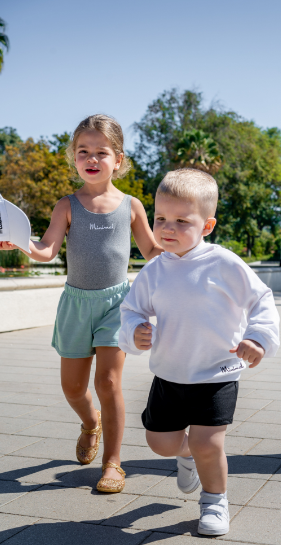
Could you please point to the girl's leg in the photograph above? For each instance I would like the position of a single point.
(75, 375)
(206, 445)
(108, 383)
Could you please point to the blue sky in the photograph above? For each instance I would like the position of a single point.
(69, 59)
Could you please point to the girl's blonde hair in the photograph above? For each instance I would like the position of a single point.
(111, 129)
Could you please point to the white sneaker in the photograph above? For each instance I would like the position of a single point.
(214, 517)
(188, 478)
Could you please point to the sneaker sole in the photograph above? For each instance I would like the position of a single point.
(213, 532)
(189, 491)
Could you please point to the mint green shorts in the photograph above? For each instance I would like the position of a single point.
(86, 319)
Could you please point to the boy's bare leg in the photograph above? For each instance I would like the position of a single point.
(206, 445)
(171, 443)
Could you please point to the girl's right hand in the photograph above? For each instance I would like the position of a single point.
(6, 245)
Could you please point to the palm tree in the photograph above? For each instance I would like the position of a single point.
(4, 40)
(198, 150)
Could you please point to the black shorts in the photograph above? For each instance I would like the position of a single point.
(173, 407)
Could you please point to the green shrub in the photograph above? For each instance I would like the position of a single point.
(13, 259)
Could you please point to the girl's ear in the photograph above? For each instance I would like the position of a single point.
(209, 226)
(118, 161)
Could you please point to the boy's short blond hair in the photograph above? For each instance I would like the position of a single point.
(193, 185)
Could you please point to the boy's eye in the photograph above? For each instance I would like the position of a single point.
(182, 221)
(103, 153)
(160, 219)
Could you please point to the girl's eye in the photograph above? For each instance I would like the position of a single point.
(103, 153)
(182, 221)
(160, 219)
(82, 151)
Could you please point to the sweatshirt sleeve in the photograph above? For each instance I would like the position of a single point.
(135, 309)
(257, 299)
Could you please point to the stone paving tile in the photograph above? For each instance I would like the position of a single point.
(53, 449)
(266, 447)
(243, 392)
(160, 538)
(13, 425)
(4, 396)
(33, 399)
(56, 413)
(29, 387)
(10, 491)
(273, 406)
(256, 525)
(269, 496)
(133, 420)
(244, 414)
(12, 443)
(15, 410)
(32, 470)
(136, 407)
(239, 445)
(160, 514)
(144, 457)
(68, 504)
(13, 524)
(271, 395)
(263, 431)
(266, 417)
(26, 377)
(257, 404)
(138, 480)
(253, 467)
(47, 531)
(239, 490)
(134, 436)
(52, 429)
(276, 476)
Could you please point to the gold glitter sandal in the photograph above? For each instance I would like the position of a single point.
(111, 485)
(87, 455)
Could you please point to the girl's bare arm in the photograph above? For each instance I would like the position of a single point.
(142, 232)
(49, 245)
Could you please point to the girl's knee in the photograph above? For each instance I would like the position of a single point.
(73, 392)
(106, 385)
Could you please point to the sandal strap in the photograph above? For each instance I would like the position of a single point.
(90, 432)
(115, 466)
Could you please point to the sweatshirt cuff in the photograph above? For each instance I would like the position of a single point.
(270, 349)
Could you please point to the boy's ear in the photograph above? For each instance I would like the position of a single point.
(209, 226)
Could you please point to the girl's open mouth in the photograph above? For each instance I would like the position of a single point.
(92, 171)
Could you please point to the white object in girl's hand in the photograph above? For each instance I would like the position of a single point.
(14, 225)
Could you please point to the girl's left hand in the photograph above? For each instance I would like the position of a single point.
(250, 351)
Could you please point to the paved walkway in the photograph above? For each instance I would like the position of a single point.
(47, 497)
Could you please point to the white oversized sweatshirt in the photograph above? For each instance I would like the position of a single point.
(205, 303)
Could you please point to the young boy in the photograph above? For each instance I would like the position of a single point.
(213, 314)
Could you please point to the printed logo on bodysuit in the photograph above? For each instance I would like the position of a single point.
(94, 226)
(1, 224)
(226, 369)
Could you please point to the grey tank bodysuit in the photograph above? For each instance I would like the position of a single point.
(98, 246)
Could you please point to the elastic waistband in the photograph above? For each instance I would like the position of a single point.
(100, 294)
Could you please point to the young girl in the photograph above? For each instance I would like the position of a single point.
(97, 220)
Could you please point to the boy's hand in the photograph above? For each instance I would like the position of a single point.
(250, 351)
(143, 336)
(6, 245)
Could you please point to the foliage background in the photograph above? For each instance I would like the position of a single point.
(175, 131)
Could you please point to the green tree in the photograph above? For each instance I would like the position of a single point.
(34, 178)
(249, 176)
(197, 149)
(8, 137)
(4, 41)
